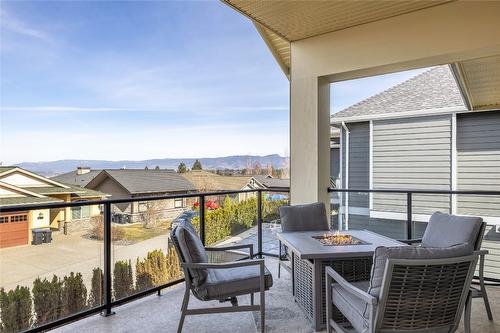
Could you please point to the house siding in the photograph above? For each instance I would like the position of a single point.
(412, 153)
(478, 162)
(359, 162)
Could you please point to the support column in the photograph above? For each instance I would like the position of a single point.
(309, 140)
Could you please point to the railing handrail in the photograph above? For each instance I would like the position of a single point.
(49, 205)
(413, 191)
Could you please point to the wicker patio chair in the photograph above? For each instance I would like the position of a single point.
(310, 217)
(411, 289)
(218, 281)
(444, 230)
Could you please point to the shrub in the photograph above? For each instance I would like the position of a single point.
(96, 295)
(157, 269)
(123, 280)
(96, 230)
(74, 294)
(47, 299)
(15, 309)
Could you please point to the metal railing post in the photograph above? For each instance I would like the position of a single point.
(107, 261)
(202, 218)
(259, 223)
(409, 215)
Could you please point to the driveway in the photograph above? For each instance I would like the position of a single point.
(67, 253)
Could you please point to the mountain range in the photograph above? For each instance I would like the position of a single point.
(52, 168)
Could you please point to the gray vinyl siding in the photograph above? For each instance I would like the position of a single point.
(334, 163)
(359, 162)
(412, 153)
(478, 162)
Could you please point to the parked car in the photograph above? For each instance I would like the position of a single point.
(186, 216)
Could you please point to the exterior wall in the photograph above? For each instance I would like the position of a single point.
(335, 163)
(20, 179)
(359, 158)
(117, 192)
(412, 153)
(36, 221)
(478, 162)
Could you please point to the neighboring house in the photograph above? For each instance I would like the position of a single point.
(22, 187)
(206, 181)
(130, 183)
(417, 135)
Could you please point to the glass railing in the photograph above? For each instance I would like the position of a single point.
(91, 256)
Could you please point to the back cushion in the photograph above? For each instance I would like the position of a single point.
(310, 217)
(445, 230)
(193, 251)
(409, 252)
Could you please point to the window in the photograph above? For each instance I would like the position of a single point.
(178, 203)
(19, 218)
(4, 219)
(80, 212)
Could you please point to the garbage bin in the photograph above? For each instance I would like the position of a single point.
(41, 236)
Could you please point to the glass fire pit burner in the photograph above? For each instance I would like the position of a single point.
(338, 239)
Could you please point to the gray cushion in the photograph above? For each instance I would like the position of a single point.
(409, 252)
(193, 251)
(352, 307)
(228, 282)
(310, 217)
(445, 230)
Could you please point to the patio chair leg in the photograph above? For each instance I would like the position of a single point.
(279, 260)
(262, 312)
(484, 294)
(467, 312)
(185, 303)
(251, 299)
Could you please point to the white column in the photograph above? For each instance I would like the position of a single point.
(309, 140)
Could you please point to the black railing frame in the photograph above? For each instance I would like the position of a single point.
(105, 309)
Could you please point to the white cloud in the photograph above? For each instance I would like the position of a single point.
(12, 24)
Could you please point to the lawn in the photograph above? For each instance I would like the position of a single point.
(137, 233)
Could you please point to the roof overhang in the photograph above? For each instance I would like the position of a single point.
(281, 23)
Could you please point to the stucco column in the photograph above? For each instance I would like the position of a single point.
(309, 140)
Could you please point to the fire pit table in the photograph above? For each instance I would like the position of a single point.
(349, 253)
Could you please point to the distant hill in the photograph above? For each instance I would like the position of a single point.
(53, 168)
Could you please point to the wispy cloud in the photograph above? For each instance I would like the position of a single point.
(12, 24)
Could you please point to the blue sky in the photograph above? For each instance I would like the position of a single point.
(137, 80)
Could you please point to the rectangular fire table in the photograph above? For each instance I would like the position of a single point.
(310, 257)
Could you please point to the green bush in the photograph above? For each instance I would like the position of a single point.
(15, 310)
(123, 279)
(157, 269)
(74, 294)
(47, 299)
(96, 295)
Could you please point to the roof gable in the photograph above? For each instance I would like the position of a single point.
(24, 178)
(431, 90)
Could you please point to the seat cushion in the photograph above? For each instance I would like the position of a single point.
(228, 282)
(444, 230)
(193, 251)
(310, 217)
(409, 252)
(353, 308)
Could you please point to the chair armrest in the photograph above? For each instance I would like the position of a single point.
(482, 253)
(232, 264)
(232, 247)
(349, 287)
(410, 241)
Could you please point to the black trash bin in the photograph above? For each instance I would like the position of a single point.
(41, 236)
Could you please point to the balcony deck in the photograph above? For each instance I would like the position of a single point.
(161, 314)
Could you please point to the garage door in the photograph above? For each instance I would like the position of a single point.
(13, 229)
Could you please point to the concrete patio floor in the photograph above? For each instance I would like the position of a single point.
(161, 314)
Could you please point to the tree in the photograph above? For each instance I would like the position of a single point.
(123, 283)
(15, 309)
(47, 299)
(74, 294)
(150, 217)
(97, 288)
(197, 165)
(146, 168)
(182, 168)
(157, 167)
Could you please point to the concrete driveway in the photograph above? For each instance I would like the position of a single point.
(67, 253)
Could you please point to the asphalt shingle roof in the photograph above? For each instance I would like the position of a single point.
(209, 181)
(273, 182)
(14, 201)
(76, 179)
(433, 89)
(138, 181)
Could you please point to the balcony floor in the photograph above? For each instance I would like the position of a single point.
(161, 314)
